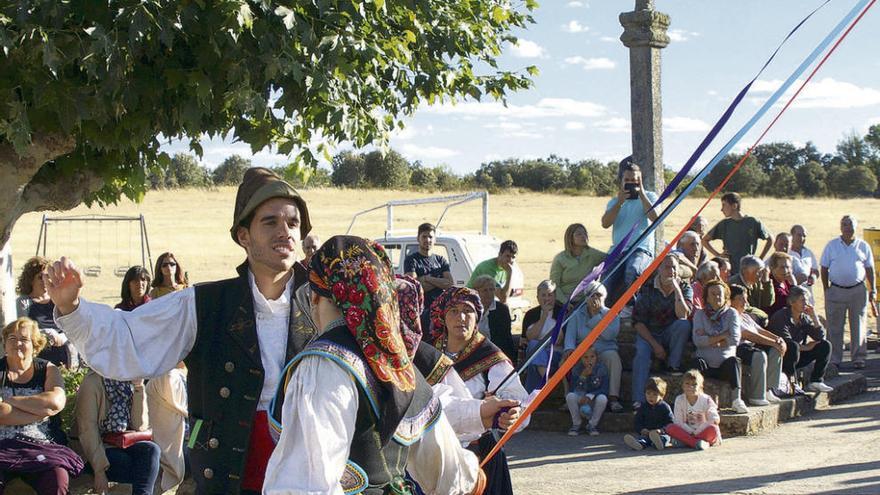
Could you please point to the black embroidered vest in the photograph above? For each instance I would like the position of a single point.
(372, 469)
(225, 378)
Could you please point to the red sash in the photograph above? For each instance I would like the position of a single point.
(260, 449)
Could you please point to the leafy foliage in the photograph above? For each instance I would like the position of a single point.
(231, 171)
(120, 76)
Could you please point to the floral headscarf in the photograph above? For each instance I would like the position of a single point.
(410, 302)
(356, 274)
(447, 299)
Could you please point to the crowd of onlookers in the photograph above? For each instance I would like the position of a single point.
(742, 308)
(122, 431)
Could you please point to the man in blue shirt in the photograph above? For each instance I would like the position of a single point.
(631, 206)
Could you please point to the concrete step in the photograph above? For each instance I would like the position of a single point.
(757, 420)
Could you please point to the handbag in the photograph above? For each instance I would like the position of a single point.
(125, 439)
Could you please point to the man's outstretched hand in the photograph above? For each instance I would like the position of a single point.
(63, 282)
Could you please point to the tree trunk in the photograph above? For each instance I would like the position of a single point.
(20, 194)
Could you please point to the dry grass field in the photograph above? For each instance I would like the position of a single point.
(194, 225)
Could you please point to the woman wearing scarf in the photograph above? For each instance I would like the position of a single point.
(716, 335)
(482, 366)
(357, 415)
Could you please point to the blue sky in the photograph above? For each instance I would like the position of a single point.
(579, 105)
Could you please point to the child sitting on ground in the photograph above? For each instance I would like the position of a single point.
(695, 416)
(652, 418)
(589, 394)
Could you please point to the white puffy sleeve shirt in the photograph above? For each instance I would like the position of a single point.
(319, 415)
(514, 390)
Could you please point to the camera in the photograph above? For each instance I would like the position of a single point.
(630, 188)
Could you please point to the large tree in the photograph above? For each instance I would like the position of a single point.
(90, 89)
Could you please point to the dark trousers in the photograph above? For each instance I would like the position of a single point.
(137, 465)
(796, 358)
(498, 481)
(729, 371)
(49, 482)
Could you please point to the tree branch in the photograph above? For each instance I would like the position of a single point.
(43, 148)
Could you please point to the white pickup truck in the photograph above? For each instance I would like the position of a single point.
(463, 250)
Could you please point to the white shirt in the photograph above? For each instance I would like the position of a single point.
(803, 264)
(461, 409)
(483, 325)
(319, 415)
(846, 264)
(513, 390)
(152, 339)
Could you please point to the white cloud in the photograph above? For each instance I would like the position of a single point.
(524, 135)
(825, 93)
(608, 39)
(527, 49)
(575, 126)
(505, 126)
(614, 125)
(712, 92)
(575, 5)
(679, 35)
(546, 107)
(491, 157)
(412, 150)
(684, 124)
(599, 63)
(574, 26)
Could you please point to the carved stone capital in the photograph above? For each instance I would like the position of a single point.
(644, 28)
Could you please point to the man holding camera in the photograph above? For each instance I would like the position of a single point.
(631, 206)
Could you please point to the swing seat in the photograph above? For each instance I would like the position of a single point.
(120, 271)
(92, 271)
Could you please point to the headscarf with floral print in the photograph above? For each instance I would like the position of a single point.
(448, 298)
(356, 274)
(410, 302)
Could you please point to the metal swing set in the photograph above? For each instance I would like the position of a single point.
(96, 266)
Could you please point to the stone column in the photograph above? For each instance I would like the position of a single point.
(644, 33)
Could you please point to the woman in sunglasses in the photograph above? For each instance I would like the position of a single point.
(170, 276)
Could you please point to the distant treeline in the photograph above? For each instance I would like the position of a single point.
(774, 169)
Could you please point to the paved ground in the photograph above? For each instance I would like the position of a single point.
(834, 451)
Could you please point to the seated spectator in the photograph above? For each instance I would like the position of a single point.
(589, 395)
(32, 391)
(805, 339)
(716, 335)
(574, 263)
(431, 270)
(170, 276)
(660, 318)
(782, 279)
(760, 349)
(652, 418)
(499, 268)
(739, 233)
(695, 416)
(700, 225)
(106, 410)
(692, 254)
(581, 323)
(707, 272)
(134, 288)
(804, 263)
(631, 208)
(33, 302)
(723, 267)
(782, 243)
(496, 322)
(538, 322)
(755, 277)
(167, 411)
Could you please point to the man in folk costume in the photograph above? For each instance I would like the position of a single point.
(357, 416)
(482, 366)
(234, 335)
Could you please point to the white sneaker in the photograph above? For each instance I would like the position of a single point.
(771, 397)
(739, 406)
(759, 402)
(819, 387)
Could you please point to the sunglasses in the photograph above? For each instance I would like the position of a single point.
(169, 263)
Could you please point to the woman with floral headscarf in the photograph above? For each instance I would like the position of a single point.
(482, 366)
(357, 415)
